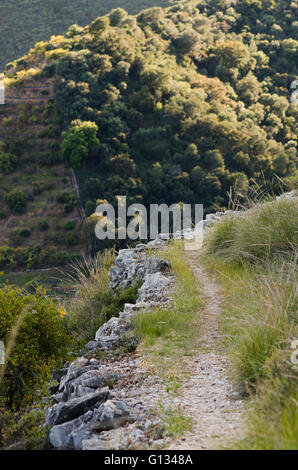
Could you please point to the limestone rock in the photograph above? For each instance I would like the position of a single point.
(67, 411)
(68, 436)
(155, 265)
(110, 415)
(95, 443)
(155, 288)
(115, 326)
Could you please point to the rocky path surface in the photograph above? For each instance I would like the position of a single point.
(208, 396)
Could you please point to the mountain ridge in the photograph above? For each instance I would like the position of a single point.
(22, 23)
(186, 108)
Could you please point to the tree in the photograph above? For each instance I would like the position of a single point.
(249, 88)
(213, 159)
(78, 141)
(16, 201)
(234, 55)
(122, 165)
(7, 162)
(186, 42)
(117, 16)
(190, 158)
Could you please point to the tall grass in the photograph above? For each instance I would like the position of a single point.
(92, 301)
(260, 315)
(88, 281)
(268, 230)
(255, 258)
(273, 421)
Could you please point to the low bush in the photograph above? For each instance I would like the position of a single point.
(59, 258)
(272, 422)
(68, 208)
(71, 239)
(32, 257)
(66, 198)
(35, 338)
(7, 162)
(69, 225)
(262, 317)
(23, 430)
(43, 225)
(16, 201)
(25, 233)
(41, 186)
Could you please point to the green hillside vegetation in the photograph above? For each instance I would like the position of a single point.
(24, 22)
(190, 102)
(40, 222)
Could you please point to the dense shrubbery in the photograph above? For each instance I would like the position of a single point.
(67, 198)
(23, 430)
(43, 226)
(32, 257)
(190, 102)
(16, 201)
(38, 336)
(7, 162)
(35, 338)
(69, 226)
(205, 108)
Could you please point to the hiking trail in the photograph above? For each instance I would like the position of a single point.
(208, 396)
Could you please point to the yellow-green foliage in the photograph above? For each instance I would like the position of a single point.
(23, 430)
(35, 338)
(20, 76)
(55, 54)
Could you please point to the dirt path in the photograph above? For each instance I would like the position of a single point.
(208, 396)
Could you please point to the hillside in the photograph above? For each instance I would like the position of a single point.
(187, 350)
(189, 104)
(24, 22)
(41, 222)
